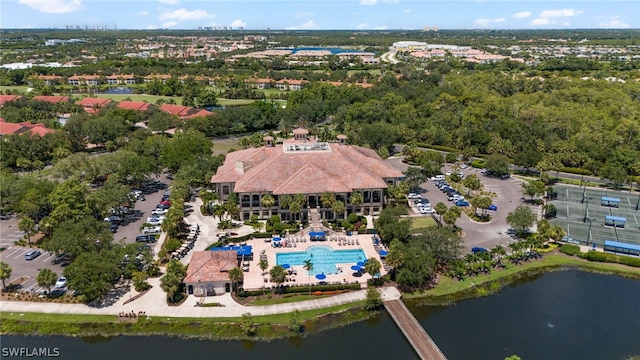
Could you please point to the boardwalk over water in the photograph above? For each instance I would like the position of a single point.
(414, 332)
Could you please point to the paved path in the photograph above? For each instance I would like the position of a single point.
(154, 304)
(415, 333)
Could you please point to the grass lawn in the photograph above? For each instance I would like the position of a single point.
(448, 286)
(14, 89)
(222, 146)
(283, 300)
(137, 97)
(421, 222)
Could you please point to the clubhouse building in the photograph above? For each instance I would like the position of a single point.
(307, 167)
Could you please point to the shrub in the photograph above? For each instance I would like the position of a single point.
(611, 258)
(172, 245)
(570, 249)
(478, 164)
(352, 218)
(577, 171)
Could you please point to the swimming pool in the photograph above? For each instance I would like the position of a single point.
(324, 258)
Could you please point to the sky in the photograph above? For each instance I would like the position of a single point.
(321, 14)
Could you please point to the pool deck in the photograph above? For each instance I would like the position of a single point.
(254, 279)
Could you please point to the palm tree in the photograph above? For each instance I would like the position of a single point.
(308, 265)
(5, 273)
(338, 208)
(27, 225)
(236, 276)
(372, 267)
(356, 200)
(47, 278)
(267, 201)
(295, 208)
(395, 258)
(327, 199)
(441, 209)
(278, 275)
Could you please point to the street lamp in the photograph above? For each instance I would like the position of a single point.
(586, 209)
(638, 202)
(589, 231)
(584, 193)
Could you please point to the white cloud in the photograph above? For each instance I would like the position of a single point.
(407, 11)
(143, 13)
(53, 6)
(309, 25)
(169, 2)
(540, 21)
(368, 2)
(238, 23)
(560, 13)
(613, 24)
(483, 22)
(383, 27)
(184, 14)
(566, 24)
(169, 24)
(391, 1)
(303, 15)
(151, 27)
(522, 14)
(362, 26)
(499, 20)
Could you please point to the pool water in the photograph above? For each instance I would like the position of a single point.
(324, 258)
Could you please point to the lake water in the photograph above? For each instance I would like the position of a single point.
(559, 315)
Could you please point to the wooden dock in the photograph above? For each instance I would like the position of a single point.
(413, 331)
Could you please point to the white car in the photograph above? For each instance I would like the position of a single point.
(62, 282)
(159, 211)
(151, 229)
(156, 218)
(426, 211)
(414, 196)
(448, 173)
(464, 166)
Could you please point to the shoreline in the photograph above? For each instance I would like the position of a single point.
(273, 327)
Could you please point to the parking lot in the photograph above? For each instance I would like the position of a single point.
(126, 233)
(581, 213)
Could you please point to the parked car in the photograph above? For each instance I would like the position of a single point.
(492, 207)
(159, 211)
(113, 228)
(156, 218)
(476, 250)
(60, 259)
(154, 222)
(162, 206)
(113, 219)
(146, 238)
(32, 254)
(62, 282)
(166, 202)
(464, 166)
(505, 176)
(426, 211)
(462, 203)
(413, 196)
(151, 229)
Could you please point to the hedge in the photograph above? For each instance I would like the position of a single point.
(478, 164)
(300, 289)
(438, 147)
(577, 171)
(610, 258)
(569, 249)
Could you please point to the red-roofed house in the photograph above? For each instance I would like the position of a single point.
(305, 166)
(259, 83)
(134, 105)
(121, 79)
(23, 127)
(52, 99)
(50, 79)
(160, 77)
(208, 272)
(8, 98)
(93, 105)
(77, 80)
(290, 84)
(184, 112)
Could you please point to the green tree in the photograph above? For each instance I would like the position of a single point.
(533, 188)
(139, 279)
(278, 275)
(295, 325)
(373, 300)
(267, 201)
(327, 199)
(308, 265)
(452, 215)
(5, 273)
(390, 226)
(372, 267)
(472, 182)
(338, 208)
(414, 177)
(184, 148)
(28, 226)
(498, 164)
(356, 201)
(172, 279)
(68, 201)
(94, 273)
(247, 325)
(75, 237)
(46, 278)
(236, 276)
(522, 218)
(441, 208)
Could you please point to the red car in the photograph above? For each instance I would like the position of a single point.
(165, 202)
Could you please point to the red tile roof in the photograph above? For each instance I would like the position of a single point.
(207, 266)
(342, 168)
(51, 99)
(10, 128)
(41, 130)
(134, 105)
(93, 105)
(8, 98)
(178, 110)
(84, 77)
(198, 114)
(23, 127)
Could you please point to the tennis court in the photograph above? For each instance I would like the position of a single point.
(610, 215)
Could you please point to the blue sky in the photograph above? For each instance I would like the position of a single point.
(321, 14)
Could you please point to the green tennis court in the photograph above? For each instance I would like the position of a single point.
(605, 214)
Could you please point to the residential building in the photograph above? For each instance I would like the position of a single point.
(50, 79)
(303, 165)
(208, 272)
(23, 127)
(184, 112)
(93, 105)
(8, 98)
(89, 80)
(121, 79)
(134, 105)
(160, 77)
(52, 98)
(290, 84)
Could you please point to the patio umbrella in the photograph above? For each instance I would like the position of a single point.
(321, 276)
(356, 268)
(383, 253)
(286, 266)
(276, 239)
(360, 263)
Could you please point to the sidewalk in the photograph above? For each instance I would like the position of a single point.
(154, 304)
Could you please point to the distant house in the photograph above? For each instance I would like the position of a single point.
(259, 83)
(52, 99)
(50, 79)
(184, 112)
(134, 105)
(208, 272)
(89, 80)
(121, 79)
(290, 84)
(93, 105)
(23, 127)
(160, 77)
(9, 98)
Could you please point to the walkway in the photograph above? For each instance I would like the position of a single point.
(413, 331)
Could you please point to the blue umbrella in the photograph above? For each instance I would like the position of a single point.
(286, 266)
(360, 263)
(356, 268)
(321, 276)
(276, 239)
(383, 253)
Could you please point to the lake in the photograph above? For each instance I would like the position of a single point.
(559, 315)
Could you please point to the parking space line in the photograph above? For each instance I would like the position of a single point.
(23, 252)
(14, 251)
(43, 255)
(29, 288)
(15, 235)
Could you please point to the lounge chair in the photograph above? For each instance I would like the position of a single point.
(357, 242)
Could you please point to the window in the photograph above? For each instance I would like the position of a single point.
(225, 189)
